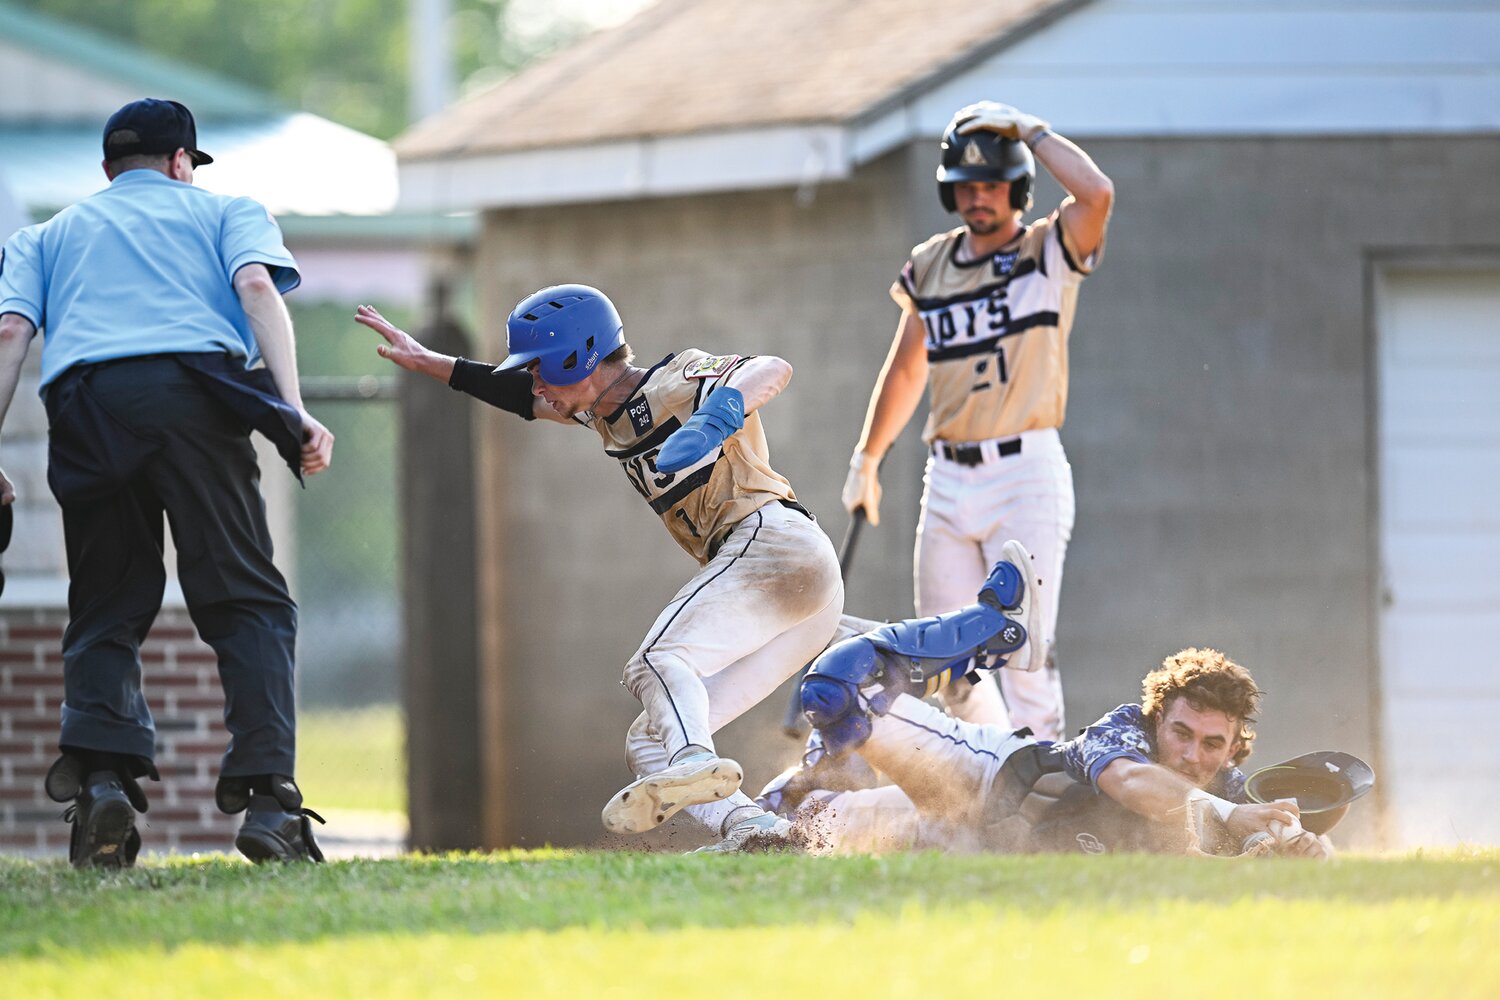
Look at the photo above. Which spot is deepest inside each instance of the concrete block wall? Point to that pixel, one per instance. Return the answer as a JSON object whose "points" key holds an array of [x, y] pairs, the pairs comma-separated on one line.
{"points": [[182, 690], [1219, 426]]}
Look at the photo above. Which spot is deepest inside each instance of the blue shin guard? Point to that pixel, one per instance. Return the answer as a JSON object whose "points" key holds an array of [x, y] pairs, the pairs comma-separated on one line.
{"points": [[919, 656]]}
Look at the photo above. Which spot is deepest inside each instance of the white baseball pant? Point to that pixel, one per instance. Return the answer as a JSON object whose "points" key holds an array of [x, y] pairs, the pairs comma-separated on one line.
{"points": [[968, 513], [767, 603], [942, 768]]}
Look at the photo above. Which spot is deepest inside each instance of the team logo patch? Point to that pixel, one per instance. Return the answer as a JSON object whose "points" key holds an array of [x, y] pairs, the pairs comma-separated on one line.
{"points": [[710, 367], [973, 156], [1006, 262], [640, 416], [1090, 844]]}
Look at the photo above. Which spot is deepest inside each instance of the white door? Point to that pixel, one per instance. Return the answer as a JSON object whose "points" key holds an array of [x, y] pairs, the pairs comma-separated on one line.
{"points": [[1439, 427]]}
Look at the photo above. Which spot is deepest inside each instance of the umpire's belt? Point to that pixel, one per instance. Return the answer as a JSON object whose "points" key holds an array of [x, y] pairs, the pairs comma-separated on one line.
{"points": [[978, 452], [92, 454]]}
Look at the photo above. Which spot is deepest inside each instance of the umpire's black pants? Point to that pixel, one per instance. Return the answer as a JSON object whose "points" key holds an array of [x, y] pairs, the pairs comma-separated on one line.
{"points": [[144, 437]]}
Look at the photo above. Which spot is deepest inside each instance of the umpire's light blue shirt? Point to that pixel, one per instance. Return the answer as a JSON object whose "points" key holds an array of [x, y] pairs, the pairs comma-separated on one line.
{"points": [[143, 267]]}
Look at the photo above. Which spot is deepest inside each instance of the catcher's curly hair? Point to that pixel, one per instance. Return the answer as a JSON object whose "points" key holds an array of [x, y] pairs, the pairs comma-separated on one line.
{"points": [[1208, 680]]}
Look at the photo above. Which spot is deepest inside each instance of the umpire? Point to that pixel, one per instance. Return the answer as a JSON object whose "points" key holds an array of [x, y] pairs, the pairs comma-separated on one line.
{"points": [[156, 297]]}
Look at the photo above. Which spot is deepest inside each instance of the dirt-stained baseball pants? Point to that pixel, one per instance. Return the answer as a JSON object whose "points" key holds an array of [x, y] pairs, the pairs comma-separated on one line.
{"points": [[767, 603], [941, 767]]}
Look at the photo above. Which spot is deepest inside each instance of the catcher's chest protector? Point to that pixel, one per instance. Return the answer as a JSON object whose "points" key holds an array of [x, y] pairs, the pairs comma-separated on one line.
{"points": [[1034, 806]]}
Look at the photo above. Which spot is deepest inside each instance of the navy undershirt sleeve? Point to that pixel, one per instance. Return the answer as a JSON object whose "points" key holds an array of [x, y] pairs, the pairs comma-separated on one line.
{"points": [[506, 390]]}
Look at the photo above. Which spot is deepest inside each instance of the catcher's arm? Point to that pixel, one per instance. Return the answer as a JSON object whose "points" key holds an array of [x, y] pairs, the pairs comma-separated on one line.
{"points": [[1160, 794]]}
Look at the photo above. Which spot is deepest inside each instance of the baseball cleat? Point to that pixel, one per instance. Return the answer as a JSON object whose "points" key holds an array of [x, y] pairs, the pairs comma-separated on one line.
{"points": [[1029, 612], [765, 831], [648, 802]]}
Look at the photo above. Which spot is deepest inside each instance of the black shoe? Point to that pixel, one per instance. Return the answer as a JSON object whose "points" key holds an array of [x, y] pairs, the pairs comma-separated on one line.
{"points": [[272, 832], [103, 818]]}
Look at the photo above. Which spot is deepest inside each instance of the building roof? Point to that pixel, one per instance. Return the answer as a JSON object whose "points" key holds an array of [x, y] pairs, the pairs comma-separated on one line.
{"points": [[686, 66], [695, 96]]}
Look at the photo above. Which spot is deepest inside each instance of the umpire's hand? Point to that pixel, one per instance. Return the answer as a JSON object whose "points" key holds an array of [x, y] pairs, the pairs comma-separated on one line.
{"points": [[317, 445]]}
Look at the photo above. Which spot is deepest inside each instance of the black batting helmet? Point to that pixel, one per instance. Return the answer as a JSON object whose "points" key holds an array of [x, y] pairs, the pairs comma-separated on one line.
{"points": [[985, 156]]}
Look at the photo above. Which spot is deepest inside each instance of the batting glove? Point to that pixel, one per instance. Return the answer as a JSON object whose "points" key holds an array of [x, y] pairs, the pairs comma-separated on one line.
{"points": [[1001, 118], [862, 488], [721, 414]]}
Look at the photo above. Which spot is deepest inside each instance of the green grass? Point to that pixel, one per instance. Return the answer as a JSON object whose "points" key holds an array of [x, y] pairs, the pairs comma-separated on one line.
{"points": [[589, 924], [352, 758]]}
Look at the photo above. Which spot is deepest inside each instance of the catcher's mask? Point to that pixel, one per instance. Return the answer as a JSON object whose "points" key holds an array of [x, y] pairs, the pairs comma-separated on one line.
{"points": [[987, 157], [569, 329], [1323, 783]]}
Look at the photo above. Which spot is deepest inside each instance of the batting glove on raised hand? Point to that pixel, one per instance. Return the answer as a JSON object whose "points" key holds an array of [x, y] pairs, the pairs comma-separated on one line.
{"points": [[1001, 118], [721, 414], [862, 488]]}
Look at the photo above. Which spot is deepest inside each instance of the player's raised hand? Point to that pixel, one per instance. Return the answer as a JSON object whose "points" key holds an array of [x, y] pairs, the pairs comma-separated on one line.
{"points": [[995, 117], [400, 347], [862, 487]]}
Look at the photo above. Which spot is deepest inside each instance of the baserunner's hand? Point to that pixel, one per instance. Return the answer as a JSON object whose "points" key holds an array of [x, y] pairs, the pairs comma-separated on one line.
{"points": [[400, 347]]}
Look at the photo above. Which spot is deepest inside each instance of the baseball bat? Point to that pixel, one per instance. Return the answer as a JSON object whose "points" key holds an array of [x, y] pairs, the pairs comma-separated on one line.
{"points": [[792, 721]]}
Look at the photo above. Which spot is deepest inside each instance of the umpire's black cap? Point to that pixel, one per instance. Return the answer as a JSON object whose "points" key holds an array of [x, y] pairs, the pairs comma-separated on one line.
{"points": [[151, 126]]}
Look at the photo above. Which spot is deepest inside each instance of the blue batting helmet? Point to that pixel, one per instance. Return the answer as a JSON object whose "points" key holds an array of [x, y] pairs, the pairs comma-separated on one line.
{"points": [[569, 329]]}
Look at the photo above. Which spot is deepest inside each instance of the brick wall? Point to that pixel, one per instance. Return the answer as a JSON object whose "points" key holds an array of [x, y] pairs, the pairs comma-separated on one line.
{"points": [[182, 689]]}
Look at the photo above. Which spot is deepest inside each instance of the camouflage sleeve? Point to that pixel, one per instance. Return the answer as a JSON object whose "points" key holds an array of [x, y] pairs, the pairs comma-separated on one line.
{"points": [[1230, 785], [1121, 733]]}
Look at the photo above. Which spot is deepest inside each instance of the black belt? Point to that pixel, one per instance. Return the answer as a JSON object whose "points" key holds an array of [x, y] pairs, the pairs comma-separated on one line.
{"points": [[794, 505], [84, 367], [973, 454], [713, 548]]}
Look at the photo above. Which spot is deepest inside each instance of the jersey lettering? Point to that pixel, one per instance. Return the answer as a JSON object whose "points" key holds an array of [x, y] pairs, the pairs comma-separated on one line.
{"points": [[698, 505], [648, 480], [996, 332]]}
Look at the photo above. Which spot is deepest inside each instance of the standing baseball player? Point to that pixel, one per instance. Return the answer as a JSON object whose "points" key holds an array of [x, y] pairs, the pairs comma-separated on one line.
{"points": [[156, 298], [985, 313], [687, 433]]}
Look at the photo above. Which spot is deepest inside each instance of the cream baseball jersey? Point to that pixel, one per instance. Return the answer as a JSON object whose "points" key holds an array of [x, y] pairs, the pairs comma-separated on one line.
{"points": [[997, 330], [701, 503]]}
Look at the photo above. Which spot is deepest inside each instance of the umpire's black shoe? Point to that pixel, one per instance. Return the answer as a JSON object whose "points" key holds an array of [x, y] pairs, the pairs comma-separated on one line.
{"points": [[103, 818], [272, 832]]}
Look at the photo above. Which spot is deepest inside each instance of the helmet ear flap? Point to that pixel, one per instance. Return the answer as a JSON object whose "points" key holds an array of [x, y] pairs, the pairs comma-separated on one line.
{"points": [[945, 195], [1020, 193]]}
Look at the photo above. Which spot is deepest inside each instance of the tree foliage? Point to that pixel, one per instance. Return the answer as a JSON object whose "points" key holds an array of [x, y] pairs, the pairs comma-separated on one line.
{"points": [[343, 59]]}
